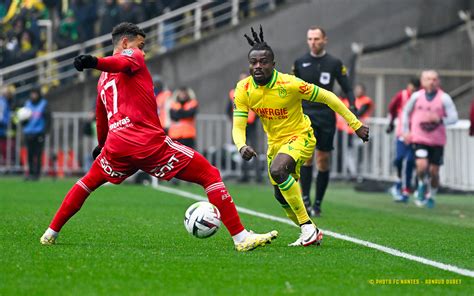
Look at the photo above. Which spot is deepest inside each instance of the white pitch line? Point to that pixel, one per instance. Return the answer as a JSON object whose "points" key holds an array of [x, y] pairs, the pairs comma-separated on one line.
{"points": [[391, 251]]}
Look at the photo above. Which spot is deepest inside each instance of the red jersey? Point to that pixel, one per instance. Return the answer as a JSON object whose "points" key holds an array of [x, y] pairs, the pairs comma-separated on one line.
{"points": [[128, 127], [396, 106], [127, 121]]}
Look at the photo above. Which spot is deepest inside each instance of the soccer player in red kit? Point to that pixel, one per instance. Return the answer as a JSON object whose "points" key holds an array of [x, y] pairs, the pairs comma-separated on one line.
{"points": [[131, 137]]}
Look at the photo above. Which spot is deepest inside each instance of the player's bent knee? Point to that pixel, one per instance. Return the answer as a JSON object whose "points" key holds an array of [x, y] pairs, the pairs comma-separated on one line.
{"points": [[278, 174]]}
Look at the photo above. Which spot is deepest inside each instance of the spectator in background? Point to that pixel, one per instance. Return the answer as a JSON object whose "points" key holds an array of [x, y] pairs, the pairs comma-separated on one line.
{"points": [[9, 95], [85, 12], [5, 116], [171, 26], [163, 98], [471, 129], [153, 8], [68, 30], [425, 116], [404, 156], [109, 17], [251, 136], [130, 12], [28, 47], [183, 117], [35, 130], [365, 108]]}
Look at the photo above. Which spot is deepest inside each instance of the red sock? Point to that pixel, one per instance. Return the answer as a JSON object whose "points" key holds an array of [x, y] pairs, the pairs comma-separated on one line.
{"points": [[200, 171], [76, 197], [71, 204], [218, 196]]}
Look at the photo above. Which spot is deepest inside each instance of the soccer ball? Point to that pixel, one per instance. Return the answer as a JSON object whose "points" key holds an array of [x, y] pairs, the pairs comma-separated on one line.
{"points": [[202, 219], [24, 113]]}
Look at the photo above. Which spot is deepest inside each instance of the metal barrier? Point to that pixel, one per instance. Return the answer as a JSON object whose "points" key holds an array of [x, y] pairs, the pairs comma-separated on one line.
{"points": [[376, 157], [67, 150]]}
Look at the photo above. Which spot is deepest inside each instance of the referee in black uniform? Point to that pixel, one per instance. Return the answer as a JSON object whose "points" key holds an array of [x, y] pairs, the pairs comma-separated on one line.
{"points": [[320, 68]]}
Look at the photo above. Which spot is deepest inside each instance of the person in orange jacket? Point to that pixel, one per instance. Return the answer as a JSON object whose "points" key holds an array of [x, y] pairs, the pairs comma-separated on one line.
{"points": [[183, 117], [163, 101]]}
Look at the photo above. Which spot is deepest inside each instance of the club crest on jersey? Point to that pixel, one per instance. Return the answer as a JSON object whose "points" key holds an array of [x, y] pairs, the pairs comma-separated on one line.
{"points": [[282, 92], [304, 88], [127, 52]]}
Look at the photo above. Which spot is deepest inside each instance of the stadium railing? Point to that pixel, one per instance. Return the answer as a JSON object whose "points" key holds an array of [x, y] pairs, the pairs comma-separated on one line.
{"points": [[68, 151], [164, 32]]}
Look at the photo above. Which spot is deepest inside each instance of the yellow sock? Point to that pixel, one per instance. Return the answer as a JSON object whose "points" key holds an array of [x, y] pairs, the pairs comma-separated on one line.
{"points": [[289, 212], [290, 189]]}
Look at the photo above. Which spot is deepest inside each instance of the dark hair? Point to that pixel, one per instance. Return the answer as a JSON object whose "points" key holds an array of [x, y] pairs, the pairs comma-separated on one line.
{"points": [[128, 30], [415, 81], [318, 28], [36, 89], [258, 43]]}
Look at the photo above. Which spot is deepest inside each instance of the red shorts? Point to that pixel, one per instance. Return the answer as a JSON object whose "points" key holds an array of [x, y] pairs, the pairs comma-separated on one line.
{"points": [[164, 162]]}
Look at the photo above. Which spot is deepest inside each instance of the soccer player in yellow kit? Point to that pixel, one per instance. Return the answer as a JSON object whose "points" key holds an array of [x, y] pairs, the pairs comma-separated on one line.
{"points": [[276, 98]]}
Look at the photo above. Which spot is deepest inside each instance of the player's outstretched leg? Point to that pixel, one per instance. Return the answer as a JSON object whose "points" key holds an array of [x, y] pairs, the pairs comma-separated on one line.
{"points": [[200, 171], [72, 203], [291, 192], [306, 231]]}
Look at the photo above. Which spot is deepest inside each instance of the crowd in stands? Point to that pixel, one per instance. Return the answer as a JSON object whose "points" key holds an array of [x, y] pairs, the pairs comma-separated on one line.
{"points": [[73, 21]]}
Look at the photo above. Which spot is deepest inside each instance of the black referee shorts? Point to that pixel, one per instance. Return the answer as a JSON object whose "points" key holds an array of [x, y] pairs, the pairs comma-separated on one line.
{"points": [[324, 137], [323, 122]]}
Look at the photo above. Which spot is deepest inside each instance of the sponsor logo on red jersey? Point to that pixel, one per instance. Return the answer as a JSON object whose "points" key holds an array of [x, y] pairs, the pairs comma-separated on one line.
{"points": [[120, 124], [160, 171], [109, 170]]}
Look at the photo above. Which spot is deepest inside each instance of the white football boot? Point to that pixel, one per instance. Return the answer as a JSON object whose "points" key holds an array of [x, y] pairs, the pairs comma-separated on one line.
{"points": [[255, 240], [310, 235], [49, 237]]}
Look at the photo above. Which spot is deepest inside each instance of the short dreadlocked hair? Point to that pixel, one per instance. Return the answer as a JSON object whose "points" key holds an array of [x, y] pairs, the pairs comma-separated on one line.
{"points": [[128, 30], [258, 43]]}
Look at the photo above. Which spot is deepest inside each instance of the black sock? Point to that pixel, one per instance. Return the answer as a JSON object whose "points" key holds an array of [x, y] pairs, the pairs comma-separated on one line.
{"points": [[322, 181], [306, 178]]}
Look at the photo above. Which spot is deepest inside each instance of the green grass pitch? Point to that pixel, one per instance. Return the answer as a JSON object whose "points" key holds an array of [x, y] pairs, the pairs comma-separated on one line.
{"points": [[130, 240]]}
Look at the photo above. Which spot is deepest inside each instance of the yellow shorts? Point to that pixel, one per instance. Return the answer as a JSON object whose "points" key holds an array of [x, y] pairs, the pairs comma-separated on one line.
{"points": [[299, 147]]}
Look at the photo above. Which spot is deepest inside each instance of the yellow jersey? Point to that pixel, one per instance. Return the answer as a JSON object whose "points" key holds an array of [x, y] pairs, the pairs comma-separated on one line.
{"points": [[278, 104]]}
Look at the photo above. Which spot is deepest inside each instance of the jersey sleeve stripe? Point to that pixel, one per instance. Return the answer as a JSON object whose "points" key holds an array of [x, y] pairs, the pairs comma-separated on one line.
{"points": [[241, 114], [315, 93]]}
